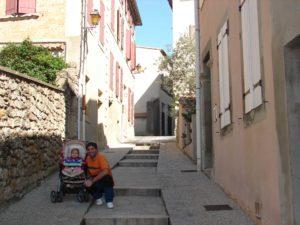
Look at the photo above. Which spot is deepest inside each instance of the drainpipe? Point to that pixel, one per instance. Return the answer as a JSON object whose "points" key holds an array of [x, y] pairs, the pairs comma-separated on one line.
{"points": [[81, 78], [198, 87]]}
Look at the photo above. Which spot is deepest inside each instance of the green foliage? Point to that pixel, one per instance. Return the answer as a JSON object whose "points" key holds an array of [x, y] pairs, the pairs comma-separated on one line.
{"points": [[178, 69], [35, 61]]}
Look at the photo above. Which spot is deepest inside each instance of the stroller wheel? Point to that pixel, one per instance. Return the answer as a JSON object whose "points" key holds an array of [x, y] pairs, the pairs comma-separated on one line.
{"points": [[80, 197], [59, 196], [53, 196]]}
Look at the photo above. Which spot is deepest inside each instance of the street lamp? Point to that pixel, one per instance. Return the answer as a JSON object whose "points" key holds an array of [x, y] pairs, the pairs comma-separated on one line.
{"points": [[95, 17]]}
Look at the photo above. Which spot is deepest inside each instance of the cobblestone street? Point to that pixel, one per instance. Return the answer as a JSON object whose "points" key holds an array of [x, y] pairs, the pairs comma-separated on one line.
{"points": [[156, 186]]}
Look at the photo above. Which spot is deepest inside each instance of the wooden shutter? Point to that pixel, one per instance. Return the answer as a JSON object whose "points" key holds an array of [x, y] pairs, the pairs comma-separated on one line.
{"points": [[224, 86], [128, 44], [11, 7], [132, 107], [112, 20], [251, 55], [133, 50], [118, 27], [89, 9], [117, 80], [122, 33], [102, 22], [129, 104], [111, 74], [121, 84], [27, 6]]}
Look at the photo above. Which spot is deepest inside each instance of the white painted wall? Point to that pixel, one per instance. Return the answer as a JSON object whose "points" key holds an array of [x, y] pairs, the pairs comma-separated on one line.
{"points": [[147, 84], [183, 17]]}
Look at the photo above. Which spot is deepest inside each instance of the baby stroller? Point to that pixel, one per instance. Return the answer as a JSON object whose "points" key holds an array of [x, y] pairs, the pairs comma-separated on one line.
{"points": [[72, 173]]}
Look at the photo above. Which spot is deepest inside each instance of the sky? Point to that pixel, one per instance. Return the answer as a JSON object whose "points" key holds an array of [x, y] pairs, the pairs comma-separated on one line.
{"points": [[156, 30]]}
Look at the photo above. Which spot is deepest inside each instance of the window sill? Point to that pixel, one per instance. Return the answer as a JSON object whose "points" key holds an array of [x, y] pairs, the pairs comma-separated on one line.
{"points": [[19, 17], [255, 115]]}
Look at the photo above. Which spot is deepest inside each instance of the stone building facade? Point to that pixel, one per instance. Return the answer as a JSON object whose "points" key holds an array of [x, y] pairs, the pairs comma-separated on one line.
{"points": [[106, 59], [32, 128], [250, 60]]}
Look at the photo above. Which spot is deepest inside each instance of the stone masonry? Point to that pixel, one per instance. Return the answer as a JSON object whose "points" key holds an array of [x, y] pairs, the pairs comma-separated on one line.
{"points": [[32, 127]]}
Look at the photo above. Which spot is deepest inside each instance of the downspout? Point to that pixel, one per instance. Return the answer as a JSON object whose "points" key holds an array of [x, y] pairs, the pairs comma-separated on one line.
{"points": [[81, 79], [198, 88]]}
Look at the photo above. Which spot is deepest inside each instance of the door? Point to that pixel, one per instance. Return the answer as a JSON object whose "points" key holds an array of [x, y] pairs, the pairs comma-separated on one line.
{"points": [[207, 115], [292, 63]]}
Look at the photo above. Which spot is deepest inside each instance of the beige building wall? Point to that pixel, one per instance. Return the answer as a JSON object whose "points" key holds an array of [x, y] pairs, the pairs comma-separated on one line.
{"points": [[49, 14], [256, 158], [247, 154]]}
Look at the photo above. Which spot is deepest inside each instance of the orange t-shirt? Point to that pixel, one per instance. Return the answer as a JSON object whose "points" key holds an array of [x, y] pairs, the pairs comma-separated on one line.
{"points": [[97, 165]]}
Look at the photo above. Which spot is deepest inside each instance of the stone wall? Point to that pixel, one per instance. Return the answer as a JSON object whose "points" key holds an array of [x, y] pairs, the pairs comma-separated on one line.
{"points": [[32, 126]]}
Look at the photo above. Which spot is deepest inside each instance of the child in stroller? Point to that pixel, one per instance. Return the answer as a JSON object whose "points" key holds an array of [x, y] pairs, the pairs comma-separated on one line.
{"points": [[72, 172]]}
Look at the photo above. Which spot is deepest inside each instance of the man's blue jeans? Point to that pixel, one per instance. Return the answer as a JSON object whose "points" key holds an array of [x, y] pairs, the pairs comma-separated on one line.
{"points": [[105, 185]]}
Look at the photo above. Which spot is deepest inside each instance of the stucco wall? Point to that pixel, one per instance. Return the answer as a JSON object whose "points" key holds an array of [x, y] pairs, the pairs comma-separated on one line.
{"points": [[32, 126], [284, 21], [246, 162]]}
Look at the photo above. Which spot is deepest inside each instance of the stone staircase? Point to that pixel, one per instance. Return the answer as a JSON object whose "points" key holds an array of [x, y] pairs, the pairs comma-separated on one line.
{"points": [[138, 198]]}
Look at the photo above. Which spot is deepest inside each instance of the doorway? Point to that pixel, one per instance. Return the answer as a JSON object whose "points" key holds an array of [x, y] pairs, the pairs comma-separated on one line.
{"points": [[207, 115], [292, 64]]}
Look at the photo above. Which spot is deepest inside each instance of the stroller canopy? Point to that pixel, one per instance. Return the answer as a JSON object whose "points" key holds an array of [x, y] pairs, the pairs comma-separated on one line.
{"points": [[71, 144]]}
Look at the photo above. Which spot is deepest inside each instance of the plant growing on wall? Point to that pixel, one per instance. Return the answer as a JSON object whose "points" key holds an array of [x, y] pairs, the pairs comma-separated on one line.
{"points": [[178, 69], [35, 61]]}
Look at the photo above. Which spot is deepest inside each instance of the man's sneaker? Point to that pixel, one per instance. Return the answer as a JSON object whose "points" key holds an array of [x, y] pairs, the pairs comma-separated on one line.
{"points": [[99, 201], [110, 205]]}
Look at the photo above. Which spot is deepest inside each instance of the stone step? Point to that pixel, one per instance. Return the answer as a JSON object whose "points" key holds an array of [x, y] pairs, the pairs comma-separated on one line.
{"points": [[141, 156], [138, 163], [130, 210], [145, 152], [134, 191]]}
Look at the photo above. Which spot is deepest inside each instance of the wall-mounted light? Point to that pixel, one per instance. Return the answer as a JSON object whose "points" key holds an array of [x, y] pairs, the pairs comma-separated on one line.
{"points": [[95, 17]]}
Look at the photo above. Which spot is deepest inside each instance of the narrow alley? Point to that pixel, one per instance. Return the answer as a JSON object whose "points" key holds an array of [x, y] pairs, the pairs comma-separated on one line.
{"points": [[149, 112], [155, 184]]}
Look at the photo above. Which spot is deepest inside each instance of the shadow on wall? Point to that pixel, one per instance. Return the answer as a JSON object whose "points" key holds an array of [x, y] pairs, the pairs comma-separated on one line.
{"points": [[150, 94], [95, 131], [143, 126], [25, 162], [102, 140]]}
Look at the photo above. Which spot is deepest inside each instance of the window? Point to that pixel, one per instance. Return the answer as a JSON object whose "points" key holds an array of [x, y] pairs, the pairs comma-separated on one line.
{"points": [[133, 53], [132, 108], [121, 85], [14, 7], [129, 105], [118, 27], [111, 74], [224, 86], [251, 55], [117, 80], [128, 44], [122, 33]]}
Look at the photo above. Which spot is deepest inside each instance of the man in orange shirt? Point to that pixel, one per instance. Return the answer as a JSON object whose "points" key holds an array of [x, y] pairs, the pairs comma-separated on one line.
{"points": [[100, 177]]}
